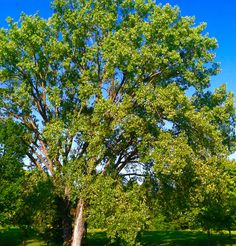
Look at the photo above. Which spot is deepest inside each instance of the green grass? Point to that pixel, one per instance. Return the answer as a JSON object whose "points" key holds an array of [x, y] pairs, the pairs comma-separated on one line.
{"points": [[14, 237], [170, 238], [185, 238]]}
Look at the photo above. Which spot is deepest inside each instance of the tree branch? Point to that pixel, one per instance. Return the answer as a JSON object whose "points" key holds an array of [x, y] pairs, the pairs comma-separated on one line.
{"points": [[133, 174], [120, 87]]}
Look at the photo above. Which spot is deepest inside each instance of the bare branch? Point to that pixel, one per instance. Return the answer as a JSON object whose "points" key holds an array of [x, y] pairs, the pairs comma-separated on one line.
{"points": [[120, 87]]}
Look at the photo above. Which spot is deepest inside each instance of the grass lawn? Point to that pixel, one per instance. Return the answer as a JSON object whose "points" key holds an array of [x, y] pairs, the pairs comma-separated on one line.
{"points": [[187, 238], [14, 237], [171, 238]]}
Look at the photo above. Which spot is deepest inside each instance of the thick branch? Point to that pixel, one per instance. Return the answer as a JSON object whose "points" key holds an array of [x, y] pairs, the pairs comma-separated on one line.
{"points": [[38, 102], [41, 158], [44, 151], [133, 174], [119, 88], [68, 146], [130, 157], [36, 163]]}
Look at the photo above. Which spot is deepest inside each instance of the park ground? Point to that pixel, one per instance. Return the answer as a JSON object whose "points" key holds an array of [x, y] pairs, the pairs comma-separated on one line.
{"points": [[14, 237]]}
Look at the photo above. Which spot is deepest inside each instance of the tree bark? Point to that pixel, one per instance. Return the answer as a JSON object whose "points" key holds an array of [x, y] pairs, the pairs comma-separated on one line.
{"points": [[67, 230], [230, 235], [208, 236], [208, 233], [79, 225], [66, 221]]}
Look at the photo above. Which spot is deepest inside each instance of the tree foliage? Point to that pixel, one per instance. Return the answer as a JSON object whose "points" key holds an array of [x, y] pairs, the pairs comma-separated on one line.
{"points": [[11, 169], [26, 197]]}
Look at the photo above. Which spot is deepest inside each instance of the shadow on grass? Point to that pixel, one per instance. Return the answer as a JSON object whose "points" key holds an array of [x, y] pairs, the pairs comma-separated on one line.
{"points": [[11, 237], [97, 239], [185, 238], [15, 237]]}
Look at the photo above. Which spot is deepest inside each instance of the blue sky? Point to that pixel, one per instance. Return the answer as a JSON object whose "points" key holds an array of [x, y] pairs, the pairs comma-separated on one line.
{"points": [[219, 15], [221, 23]]}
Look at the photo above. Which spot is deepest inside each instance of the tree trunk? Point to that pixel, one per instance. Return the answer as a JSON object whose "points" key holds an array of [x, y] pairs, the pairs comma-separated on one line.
{"points": [[208, 233], [230, 236], [67, 230], [208, 236], [66, 221], [79, 225]]}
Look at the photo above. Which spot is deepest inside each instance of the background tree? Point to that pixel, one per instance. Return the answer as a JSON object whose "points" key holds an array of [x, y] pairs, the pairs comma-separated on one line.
{"points": [[217, 202], [113, 89], [206, 202], [26, 197], [38, 210], [11, 169]]}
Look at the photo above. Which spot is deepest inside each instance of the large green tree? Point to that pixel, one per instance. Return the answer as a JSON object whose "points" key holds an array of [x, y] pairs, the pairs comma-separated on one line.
{"points": [[113, 91]]}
